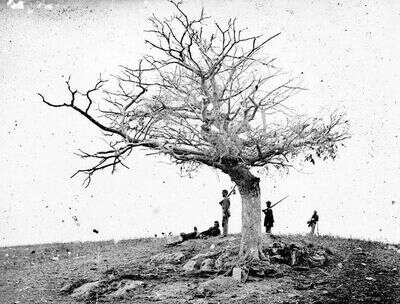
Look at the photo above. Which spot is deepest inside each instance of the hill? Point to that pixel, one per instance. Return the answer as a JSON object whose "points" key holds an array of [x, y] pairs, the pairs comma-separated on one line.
{"points": [[301, 270]]}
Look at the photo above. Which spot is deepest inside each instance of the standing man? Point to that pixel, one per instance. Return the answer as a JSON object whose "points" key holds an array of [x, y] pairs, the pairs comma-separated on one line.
{"points": [[313, 222], [225, 204], [269, 218]]}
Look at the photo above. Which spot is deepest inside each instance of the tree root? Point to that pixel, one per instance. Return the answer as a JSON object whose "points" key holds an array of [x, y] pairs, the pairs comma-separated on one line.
{"points": [[256, 254]]}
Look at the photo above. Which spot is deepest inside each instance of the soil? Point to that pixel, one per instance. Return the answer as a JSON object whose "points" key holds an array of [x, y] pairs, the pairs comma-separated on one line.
{"points": [[355, 272]]}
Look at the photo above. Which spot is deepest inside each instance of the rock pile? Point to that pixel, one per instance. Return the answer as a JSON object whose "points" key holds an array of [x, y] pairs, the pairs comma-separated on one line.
{"points": [[306, 255], [203, 262], [224, 260], [220, 262]]}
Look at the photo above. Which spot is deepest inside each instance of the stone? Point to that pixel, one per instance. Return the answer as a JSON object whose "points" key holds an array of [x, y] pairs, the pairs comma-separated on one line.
{"points": [[293, 258], [190, 265], [202, 261], [169, 267], [256, 271], [277, 259], [171, 258], [237, 274], [206, 255], [178, 257], [261, 269], [221, 260], [125, 286], [217, 285], [275, 250], [86, 290], [318, 260], [69, 287], [207, 265]]}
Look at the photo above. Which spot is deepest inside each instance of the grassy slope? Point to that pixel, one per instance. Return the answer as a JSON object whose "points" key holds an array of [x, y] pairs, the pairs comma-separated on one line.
{"points": [[35, 274]]}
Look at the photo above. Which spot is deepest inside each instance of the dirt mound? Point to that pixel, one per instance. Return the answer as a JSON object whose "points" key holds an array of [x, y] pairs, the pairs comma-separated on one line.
{"points": [[219, 263], [300, 270]]}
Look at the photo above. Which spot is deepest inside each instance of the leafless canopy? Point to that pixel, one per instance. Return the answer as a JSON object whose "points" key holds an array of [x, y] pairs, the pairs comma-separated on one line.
{"points": [[205, 95]]}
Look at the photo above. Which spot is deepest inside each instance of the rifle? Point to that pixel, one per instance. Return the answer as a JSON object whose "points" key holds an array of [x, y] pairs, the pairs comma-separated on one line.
{"points": [[232, 191], [280, 201]]}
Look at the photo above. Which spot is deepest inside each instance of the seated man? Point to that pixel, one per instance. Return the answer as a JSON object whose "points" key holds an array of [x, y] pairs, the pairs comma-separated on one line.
{"points": [[190, 235], [175, 240], [212, 231]]}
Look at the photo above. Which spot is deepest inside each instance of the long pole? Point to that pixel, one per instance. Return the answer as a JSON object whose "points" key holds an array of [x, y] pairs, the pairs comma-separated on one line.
{"points": [[280, 201], [233, 189]]}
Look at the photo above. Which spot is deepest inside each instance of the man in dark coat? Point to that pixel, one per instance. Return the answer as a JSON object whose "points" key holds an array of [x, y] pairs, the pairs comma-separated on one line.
{"points": [[173, 241], [190, 235], [312, 223], [269, 218], [212, 231]]}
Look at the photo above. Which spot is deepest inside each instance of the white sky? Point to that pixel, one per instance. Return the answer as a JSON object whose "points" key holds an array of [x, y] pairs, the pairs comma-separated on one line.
{"points": [[349, 53]]}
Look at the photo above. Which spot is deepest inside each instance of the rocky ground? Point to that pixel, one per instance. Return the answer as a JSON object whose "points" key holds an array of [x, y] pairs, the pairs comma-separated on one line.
{"points": [[301, 270]]}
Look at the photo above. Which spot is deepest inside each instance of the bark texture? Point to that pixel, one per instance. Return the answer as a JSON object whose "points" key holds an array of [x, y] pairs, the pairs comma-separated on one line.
{"points": [[249, 188]]}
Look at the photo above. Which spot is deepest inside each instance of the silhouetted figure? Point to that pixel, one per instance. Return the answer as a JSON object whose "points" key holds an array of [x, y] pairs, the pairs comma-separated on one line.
{"points": [[225, 204], [212, 231], [312, 223], [269, 218], [190, 235], [183, 237]]}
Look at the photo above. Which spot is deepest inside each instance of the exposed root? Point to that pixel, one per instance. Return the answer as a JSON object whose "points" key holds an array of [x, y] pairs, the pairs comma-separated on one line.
{"points": [[254, 254]]}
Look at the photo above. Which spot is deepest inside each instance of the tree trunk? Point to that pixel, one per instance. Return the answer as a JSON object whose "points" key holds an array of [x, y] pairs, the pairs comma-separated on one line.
{"points": [[249, 188]]}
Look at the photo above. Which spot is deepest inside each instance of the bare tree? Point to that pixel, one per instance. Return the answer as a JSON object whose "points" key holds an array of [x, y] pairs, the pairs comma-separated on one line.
{"points": [[205, 96]]}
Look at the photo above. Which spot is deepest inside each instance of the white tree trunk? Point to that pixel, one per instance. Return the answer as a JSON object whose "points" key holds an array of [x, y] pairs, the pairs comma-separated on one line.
{"points": [[249, 188], [250, 246]]}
